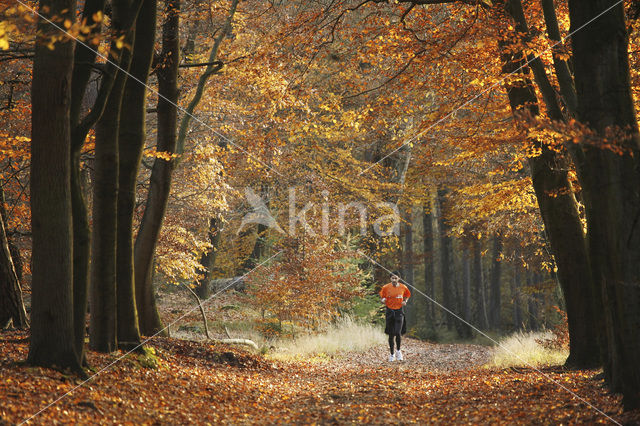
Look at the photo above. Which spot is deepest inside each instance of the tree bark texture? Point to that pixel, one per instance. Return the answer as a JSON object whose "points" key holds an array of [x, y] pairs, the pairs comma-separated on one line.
{"points": [[445, 262], [11, 304], [611, 182], [558, 206], [428, 253], [495, 293], [103, 293], [160, 185], [131, 140], [52, 332]]}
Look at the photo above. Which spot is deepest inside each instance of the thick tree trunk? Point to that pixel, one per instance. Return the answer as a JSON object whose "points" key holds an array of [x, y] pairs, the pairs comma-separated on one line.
{"points": [[103, 320], [130, 144], [557, 204], [160, 185], [610, 185], [445, 260], [103, 335], [52, 332], [495, 300]]}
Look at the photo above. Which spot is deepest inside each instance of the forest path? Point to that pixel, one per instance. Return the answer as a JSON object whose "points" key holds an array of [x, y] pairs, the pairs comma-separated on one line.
{"points": [[204, 383], [420, 356]]}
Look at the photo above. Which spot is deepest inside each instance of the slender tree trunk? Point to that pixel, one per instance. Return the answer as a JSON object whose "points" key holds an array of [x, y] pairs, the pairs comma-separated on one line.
{"points": [[532, 305], [52, 332], [208, 259], [160, 185], [82, 68], [13, 249], [259, 245], [495, 301], [211, 69], [464, 330], [130, 144], [610, 186], [561, 66], [479, 293], [515, 296], [407, 261], [11, 304], [445, 260], [428, 252]]}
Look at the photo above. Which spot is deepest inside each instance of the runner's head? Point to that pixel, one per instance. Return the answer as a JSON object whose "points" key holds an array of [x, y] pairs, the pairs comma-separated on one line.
{"points": [[395, 277]]}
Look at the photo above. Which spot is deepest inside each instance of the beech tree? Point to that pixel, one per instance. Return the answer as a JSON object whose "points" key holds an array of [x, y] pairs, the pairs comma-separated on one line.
{"points": [[52, 327], [610, 179]]}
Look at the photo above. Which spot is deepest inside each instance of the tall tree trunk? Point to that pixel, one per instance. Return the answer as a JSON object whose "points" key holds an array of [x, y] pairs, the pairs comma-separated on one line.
{"points": [[84, 59], [445, 260], [52, 332], [495, 301], [428, 252], [515, 296], [13, 248], [130, 144], [481, 316], [557, 204], [610, 186], [11, 304], [532, 305], [103, 292], [160, 185], [407, 261], [464, 330]]}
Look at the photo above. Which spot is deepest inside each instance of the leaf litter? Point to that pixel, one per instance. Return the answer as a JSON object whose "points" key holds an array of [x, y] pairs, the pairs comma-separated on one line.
{"points": [[206, 383]]}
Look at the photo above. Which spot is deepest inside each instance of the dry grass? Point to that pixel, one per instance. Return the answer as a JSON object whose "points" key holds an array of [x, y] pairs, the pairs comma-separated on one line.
{"points": [[345, 336], [524, 349]]}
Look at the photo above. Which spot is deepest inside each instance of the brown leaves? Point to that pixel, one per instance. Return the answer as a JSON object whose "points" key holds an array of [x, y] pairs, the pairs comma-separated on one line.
{"points": [[206, 383]]}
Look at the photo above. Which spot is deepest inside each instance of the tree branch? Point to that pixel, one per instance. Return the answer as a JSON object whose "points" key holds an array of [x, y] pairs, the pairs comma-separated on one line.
{"points": [[219, 64]]}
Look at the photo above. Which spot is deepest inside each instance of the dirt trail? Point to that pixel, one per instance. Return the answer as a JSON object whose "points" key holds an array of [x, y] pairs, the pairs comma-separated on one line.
{"points": [[421, 356]]}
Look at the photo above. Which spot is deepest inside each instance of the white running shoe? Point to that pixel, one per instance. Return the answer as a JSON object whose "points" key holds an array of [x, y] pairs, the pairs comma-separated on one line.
{"points": [[399, 356], [392, 358]]}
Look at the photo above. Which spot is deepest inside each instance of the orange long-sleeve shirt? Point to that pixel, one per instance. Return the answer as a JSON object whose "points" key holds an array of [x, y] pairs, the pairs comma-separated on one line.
{"points": [[394, 295]]}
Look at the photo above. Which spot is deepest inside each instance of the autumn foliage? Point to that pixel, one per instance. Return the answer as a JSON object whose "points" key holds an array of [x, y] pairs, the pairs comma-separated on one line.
{"points": [[311, 282]]}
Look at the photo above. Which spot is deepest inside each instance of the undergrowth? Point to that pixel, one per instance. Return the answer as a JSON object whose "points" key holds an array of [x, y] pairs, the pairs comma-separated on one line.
{"points": [[528, 349], [346, 335]]}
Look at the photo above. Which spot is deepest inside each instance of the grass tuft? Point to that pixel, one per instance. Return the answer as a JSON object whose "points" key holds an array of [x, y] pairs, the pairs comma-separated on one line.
{"points": [[346, 335], [525, 349]]}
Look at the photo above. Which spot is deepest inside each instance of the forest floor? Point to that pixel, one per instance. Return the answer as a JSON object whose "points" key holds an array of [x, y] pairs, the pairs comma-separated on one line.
{"points": [[199, 382]]}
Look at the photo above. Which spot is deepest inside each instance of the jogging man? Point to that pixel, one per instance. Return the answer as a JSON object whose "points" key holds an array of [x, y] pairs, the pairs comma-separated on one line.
{"points": [[395, 295]]}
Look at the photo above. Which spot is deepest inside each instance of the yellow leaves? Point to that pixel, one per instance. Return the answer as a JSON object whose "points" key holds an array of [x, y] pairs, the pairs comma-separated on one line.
{"points": [[163, 155], [6, 28], [98, 16], [120, 42]]}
